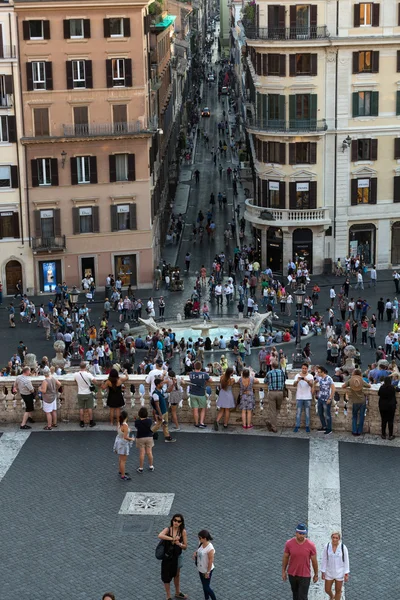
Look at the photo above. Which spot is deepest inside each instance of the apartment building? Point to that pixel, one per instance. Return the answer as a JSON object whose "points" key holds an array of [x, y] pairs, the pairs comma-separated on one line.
{"points": [[88, 136], [321, 106], [15, 253]]}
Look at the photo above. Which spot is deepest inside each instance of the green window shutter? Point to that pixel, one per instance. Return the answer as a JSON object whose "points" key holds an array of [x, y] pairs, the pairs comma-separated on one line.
{"points": [[398, 103], [374, 104], [313, 107], [292, 107], [355, 104], [282, 108]]}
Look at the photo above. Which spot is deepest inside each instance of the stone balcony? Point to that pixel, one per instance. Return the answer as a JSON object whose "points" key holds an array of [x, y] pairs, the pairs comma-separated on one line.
{"points": [[11, 406], [284, 217]]}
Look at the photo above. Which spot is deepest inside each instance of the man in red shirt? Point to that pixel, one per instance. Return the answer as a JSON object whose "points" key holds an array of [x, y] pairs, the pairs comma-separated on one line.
{"points": [[297, 554]]}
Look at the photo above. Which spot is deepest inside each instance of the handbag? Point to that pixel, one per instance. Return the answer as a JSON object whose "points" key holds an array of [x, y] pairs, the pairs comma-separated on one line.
{"points": [[165, 550]]}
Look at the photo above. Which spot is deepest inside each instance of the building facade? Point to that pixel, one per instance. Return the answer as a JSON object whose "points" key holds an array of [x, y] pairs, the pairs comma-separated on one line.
{"points": [[321, 103], [16, 257], [88, 134]]}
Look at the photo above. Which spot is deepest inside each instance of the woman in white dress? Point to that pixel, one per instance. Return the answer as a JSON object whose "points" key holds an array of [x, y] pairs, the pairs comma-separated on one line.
{"points": [[335, 567]]}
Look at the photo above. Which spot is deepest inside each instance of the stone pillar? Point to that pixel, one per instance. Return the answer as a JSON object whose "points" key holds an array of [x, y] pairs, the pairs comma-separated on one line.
{"points": [[318, 249], [287, 246], [264, 258]]}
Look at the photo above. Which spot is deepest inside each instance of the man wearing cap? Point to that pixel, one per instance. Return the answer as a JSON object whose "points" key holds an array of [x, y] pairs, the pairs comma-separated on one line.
{"points": [[357, 387], [297, 554]]}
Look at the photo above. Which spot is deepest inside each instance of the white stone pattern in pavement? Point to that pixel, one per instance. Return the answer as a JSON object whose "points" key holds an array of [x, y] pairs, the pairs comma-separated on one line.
{"points": [[324, 506], [10, 446], [146, 503]]}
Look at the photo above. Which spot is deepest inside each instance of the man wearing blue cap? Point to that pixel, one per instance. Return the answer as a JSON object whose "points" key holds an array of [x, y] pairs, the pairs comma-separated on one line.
{"points": [[298, 553]]}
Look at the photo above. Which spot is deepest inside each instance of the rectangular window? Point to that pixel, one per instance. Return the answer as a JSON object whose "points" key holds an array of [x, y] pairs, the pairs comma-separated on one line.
{"points": [[274, 149], [274, 62], [303, 64], [273, 194], [302, 20], [81, 119], [364, 104], [365, 14], [120, 117], [303, 153], [47, 223], [363, 191], [78, 74], [365, 61], [121, 167], [86, 219], [303, 195], [303, 106], [36, 30], [4, 137], [123, 217], [273, 107], [39, 75], [44, 171], [116, 27], [9, 226], [5, 177], [76, 29], [118, 72], [83, 169], [41, 122]]}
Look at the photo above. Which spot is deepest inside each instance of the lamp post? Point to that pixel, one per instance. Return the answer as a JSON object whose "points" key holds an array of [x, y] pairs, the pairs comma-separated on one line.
{"points": [[298, 355], [76, 357]]}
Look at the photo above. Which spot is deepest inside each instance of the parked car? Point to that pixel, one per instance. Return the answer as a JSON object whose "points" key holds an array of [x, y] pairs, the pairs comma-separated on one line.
{"points": [[205, 112]]}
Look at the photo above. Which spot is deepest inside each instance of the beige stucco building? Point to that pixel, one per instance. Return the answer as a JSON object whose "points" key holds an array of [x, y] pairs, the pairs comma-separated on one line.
{"points": [[15, 253], [321, 103], [88, 134]]}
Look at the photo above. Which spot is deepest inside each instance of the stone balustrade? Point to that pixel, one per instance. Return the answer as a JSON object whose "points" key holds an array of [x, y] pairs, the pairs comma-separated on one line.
{"points": [[11, 405]]}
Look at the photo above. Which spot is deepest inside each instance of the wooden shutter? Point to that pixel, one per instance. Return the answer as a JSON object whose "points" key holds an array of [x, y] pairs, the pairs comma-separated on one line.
{"points": [[114, 218], [74, 171], [57, 222], [292, 154], [313, 106], [93, 169], [354, 150], [127, 27], [264, 151], [54, 171], [25, 30], [398, 56], [282, 108], [4, 129], [265, 64], [396, 189], [89, 74], [46, 30], [292, 65], [374, 104], [292, 107], [67, 29], [86, 28], [16, 224], [313, 15], [37, 223], [34, 172], [8, 84], [313, 153], [282, 193], [95, 219], [292, 17], [14, 177], [314, 64], [373, 190], [128, 72], [374, 149], [112, 168], [398, 102], [12, 129], [75, 220], [375, 14], [70, 83], [313, 194], [282, 65], [356, 15], [106, 27], [397, 148], [265, 194], [132, 216], [281, 17], [292, 195], [131, 167], [355, 104], [29, 77], [258, 63], [109, 73], [375, 61], [49, 75], [356, 62], [354, 192], [282, 154]]}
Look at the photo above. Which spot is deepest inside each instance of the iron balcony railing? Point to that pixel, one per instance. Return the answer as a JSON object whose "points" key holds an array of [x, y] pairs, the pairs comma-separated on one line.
{"points": [[286, 33], [8, 52], [283, 126], [94, 129], [47, 244]]}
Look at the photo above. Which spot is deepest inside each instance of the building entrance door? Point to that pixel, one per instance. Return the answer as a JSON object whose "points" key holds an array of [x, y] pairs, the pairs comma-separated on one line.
{"points": [[13, 275]]}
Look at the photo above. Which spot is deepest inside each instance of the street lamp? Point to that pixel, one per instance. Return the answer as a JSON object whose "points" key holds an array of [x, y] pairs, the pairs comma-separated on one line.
{"points": [[298, 356], [75, 357]]}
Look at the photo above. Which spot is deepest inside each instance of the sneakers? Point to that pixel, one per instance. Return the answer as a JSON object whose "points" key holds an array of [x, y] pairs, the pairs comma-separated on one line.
{"points": [[81, 424], [295, 430], [321, 429], [202, 426], [25, 427], [169, 439], [216, 426], [151, 469], [125, 478], [139, 470], [92, 423], [177, 428], [328, 431], [308, 430], [197, 425]]}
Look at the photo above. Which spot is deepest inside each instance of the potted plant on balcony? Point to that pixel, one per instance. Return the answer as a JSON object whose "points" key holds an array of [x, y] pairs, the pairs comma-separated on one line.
{"points": [[249, 15]]}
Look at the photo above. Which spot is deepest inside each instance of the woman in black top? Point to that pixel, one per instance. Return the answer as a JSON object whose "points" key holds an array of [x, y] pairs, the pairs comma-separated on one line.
{"points": [[175, 540], [144, 439], [387, 406]]}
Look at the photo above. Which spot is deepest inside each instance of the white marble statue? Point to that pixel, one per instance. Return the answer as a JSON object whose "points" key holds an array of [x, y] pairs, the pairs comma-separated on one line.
{"points": [[150, 324]]}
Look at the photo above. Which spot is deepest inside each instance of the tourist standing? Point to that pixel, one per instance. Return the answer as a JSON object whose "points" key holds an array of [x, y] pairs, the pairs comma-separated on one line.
{"points": [[49, 389], [197, 394], [115, 397], [144, 439], [122, 444], [85, 381], [325, 396], [247, 399], [204, 556], [356, 386], [275, 380], [175, 540], [298, 553], [160, 410], [387, 406], [225, 400], [24, 386], [335, 567], [304, 383]]}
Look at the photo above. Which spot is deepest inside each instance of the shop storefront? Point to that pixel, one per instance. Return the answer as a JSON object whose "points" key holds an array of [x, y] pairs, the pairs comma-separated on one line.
{"points": [[303, 246], [125, 267], [275, 249], [362, 242], [49, 274]]}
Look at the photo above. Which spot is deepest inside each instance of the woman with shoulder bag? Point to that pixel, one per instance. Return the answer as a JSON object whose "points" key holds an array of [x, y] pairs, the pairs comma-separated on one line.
{"points": [[175, 397], [175, 540], [335, 566], [204, 559]]}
